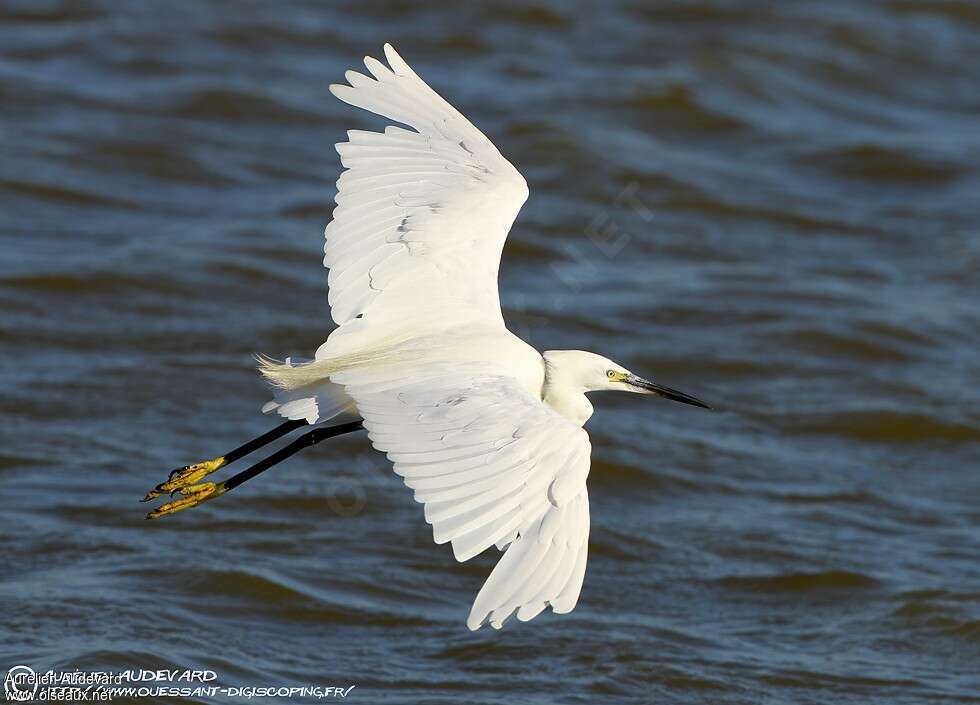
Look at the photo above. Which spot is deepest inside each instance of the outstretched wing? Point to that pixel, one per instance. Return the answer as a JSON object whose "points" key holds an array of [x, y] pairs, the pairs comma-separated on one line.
{"points": [[421, 214], [493, 465]]}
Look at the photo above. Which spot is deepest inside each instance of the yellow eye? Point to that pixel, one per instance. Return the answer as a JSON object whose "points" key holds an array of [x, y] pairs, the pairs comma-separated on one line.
{"points": [[611, 374]]}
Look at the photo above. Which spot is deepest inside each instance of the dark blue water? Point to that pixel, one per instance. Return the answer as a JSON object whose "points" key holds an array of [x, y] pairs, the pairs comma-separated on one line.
{"points": [[773, 206]]}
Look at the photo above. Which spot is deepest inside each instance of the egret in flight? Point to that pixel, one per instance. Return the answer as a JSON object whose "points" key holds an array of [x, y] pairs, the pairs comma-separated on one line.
{"points": [[483, 428]]}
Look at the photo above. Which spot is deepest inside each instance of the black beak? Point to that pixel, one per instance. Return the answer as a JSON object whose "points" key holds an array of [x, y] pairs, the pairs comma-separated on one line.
{"points": [[665, 392]]}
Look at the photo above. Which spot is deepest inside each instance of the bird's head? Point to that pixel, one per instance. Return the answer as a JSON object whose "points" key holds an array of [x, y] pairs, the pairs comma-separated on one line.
{"points": [[595, 373]]}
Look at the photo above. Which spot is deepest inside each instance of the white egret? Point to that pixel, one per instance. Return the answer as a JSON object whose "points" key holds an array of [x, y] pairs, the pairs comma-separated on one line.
{"points": [[486, 430]]}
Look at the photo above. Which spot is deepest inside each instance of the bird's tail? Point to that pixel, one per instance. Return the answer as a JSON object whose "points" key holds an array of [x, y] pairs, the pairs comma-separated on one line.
{"points": [[290, 375]]}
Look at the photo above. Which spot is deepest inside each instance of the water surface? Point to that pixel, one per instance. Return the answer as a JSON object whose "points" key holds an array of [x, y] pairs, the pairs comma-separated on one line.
{"points": [[773, 206]]}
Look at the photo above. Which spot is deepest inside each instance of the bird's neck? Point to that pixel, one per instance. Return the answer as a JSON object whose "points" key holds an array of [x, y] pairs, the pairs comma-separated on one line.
{"points": [[565, 396]]}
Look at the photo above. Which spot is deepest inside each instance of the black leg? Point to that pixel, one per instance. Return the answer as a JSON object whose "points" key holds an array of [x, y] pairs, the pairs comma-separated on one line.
{"points": [[318, 434], [194, 495], [265, 439]]}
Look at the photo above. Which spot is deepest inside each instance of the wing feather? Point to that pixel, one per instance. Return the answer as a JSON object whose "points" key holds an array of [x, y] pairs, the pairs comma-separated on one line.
{"points": [[421, 217], [493, 465], [544, 565]]}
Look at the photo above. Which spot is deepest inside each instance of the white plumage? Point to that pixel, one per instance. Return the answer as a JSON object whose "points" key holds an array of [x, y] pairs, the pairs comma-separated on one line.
{"points": [[485, 431], [421, 216]]}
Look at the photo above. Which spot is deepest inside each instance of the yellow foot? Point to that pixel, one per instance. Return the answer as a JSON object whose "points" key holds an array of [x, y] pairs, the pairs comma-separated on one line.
{"points": [[183, 478], [192, 496]]}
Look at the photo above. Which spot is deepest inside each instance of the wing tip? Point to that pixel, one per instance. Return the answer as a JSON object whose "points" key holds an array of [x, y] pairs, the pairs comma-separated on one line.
{"points": [[462, 556], [473, 622], [477, 620], [397, 63]]}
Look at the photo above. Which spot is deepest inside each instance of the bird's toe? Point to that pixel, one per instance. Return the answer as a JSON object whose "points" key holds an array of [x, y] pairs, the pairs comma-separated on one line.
{"points": [[185, 477], [191, 496]]}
